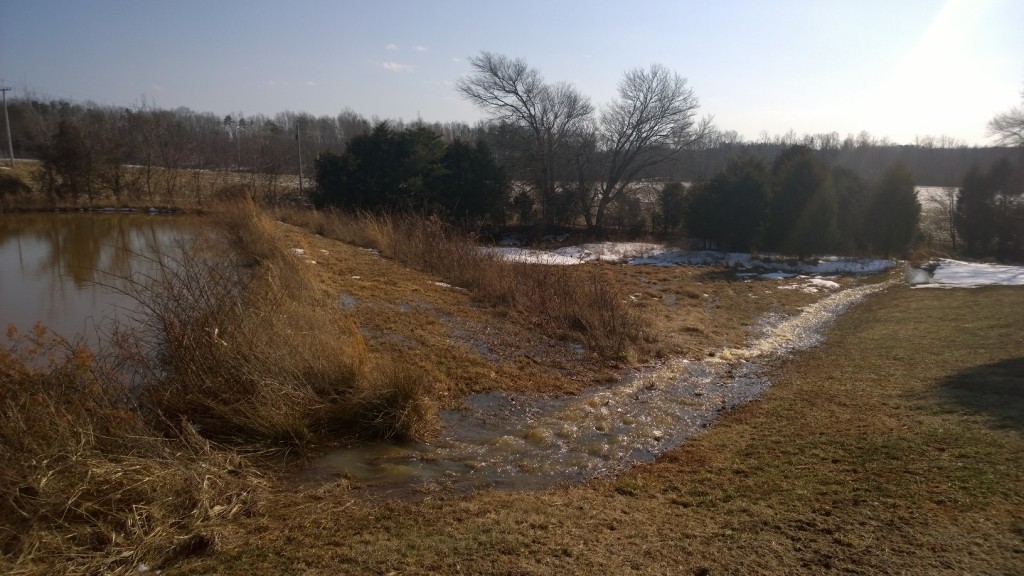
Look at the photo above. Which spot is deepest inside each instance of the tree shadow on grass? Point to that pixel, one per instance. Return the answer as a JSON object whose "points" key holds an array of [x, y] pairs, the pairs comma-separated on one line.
{"points": [[996, 390]]}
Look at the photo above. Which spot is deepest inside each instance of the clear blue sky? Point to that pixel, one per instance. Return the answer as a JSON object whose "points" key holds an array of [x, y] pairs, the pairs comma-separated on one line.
{"points": [[896, 68]]}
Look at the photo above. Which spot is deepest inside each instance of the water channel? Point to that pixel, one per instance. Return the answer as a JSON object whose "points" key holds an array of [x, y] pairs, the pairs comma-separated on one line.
{"points": [[525, 442]]}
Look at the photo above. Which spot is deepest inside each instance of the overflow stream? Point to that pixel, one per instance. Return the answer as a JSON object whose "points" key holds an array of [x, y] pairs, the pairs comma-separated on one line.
{"points": [[522, 442]]}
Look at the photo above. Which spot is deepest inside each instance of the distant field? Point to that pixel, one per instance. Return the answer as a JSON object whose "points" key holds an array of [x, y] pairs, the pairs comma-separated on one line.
{"points": [[182, 188]]}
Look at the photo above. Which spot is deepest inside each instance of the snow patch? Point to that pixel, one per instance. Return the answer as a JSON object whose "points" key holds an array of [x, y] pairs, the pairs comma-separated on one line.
{"points": [[957, 274], [647, 254]]}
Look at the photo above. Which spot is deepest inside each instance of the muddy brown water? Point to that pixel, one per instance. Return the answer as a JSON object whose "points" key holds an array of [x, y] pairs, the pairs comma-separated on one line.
{"points": [[61, 268], [521, 442]]}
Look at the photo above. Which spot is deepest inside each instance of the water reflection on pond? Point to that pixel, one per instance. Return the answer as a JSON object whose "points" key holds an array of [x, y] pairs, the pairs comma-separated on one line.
{"points": [[60, 269]]}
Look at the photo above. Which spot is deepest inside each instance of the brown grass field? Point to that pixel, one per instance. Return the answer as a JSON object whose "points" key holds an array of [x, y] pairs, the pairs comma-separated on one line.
{"points": [[894, 447]]}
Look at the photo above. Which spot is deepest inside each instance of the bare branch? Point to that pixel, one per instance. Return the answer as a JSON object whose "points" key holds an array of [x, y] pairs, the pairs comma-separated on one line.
{"points": [[652, 119], [512, 92], [1008, 127]]}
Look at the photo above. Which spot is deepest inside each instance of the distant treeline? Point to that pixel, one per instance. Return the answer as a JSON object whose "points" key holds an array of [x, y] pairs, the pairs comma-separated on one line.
{"points": [[182, 138], [799, 195]]}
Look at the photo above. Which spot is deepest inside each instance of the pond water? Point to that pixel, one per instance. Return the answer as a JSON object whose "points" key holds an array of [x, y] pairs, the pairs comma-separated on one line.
{"points": [[62, 269]]}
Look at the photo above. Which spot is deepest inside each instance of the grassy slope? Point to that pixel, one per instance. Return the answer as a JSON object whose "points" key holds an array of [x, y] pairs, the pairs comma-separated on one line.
{"points": [[464, 345], [893, 448]]}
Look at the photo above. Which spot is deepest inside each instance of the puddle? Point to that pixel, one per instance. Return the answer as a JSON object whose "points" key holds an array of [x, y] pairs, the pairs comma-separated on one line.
{"points": [[522, 442]]}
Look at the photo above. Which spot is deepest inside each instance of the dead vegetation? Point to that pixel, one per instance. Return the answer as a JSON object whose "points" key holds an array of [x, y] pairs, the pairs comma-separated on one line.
{"points": [[88, 486], [107, 464], [882, 451], [181, 189], [241, 343], [563, 301], [876, 437]]}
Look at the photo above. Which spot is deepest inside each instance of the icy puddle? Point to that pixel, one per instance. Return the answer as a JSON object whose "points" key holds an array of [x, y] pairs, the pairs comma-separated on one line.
{"points": [[524, 442]]}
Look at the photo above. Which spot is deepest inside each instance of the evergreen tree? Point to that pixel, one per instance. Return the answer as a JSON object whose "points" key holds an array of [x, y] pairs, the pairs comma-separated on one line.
{"points": [[975, 212], [894, 211], [852, 197], [469, 183], [743, 204], [803, 205], [701, 215], [383, 170], [411, 170], [671, 207]]}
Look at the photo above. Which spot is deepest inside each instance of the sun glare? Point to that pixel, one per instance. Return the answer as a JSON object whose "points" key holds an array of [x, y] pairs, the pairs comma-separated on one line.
{"points": [[942, 75]]}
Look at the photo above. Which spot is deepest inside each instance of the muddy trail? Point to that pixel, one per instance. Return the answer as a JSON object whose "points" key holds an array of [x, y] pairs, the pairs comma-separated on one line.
{"points": [[525, 442]]}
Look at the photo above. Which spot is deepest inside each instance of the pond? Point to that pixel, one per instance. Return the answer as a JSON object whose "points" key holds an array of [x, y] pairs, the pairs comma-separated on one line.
{"points": [[63, 269]]}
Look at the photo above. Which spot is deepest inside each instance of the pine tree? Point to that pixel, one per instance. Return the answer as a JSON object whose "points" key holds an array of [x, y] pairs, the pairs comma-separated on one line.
{"points": [[803, 205], [894, 211]]}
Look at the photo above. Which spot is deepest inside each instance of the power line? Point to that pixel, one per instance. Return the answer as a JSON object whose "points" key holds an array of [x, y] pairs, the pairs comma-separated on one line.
{"points": [[7, 123]]}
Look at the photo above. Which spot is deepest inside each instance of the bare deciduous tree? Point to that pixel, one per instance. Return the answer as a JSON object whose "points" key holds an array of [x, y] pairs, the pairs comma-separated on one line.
{"points": [[1008, 127], [653, 118], [516, 94]]}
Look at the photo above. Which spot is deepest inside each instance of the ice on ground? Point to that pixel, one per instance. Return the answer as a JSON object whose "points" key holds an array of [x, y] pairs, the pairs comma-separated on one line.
{"points": [[823, 283], [647, 254], [812, 285], [302, 254], [957, 274], [611, 251], [449, 286], [528, 256], [569, 255]]}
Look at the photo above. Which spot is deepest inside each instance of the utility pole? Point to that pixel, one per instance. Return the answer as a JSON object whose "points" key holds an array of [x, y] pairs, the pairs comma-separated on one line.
{"points": [[298, 142], [7, 123]]}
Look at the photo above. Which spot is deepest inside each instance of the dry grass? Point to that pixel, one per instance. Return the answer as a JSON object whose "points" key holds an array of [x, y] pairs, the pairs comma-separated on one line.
{"points": [[892, 448], [240, 343], [178, 189], [565, 302], [87, 485]]}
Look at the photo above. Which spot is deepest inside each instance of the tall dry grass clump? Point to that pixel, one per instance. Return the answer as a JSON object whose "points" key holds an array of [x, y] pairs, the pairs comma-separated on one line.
{"points": [[238, 342], [565, 301], [87, 485]]}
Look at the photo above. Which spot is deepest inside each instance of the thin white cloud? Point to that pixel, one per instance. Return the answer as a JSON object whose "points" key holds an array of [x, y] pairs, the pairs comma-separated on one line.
{"points": [[158, 88], [396, 67], [391, 47], [456, 59], [422, 48], [312, 83]]}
